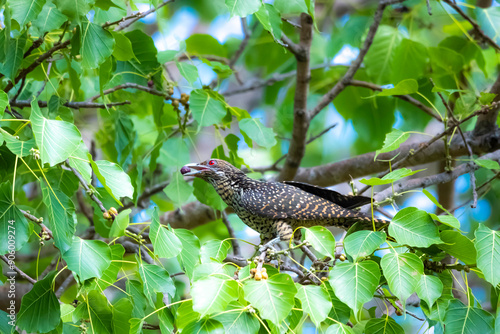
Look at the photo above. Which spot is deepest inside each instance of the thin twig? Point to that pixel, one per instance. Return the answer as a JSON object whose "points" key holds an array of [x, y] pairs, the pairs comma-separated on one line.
{"points": [[243, 44], [131, 85], [342, 83], [21, 273], [44, 81], [64, 285], [270, 81], [85, 186], [475, 26], [38, 221], [425, 145], [146, 194], [73, 105], [230, 231], [141, 15], [406, 98], [275, 164], [469, 150]]}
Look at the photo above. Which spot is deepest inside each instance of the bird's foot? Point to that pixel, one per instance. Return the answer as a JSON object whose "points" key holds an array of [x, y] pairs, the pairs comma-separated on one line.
{"points": [[269, 245]]}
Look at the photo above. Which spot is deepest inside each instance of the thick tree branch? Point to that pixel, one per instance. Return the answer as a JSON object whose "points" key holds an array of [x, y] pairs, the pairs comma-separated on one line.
{"points": [[406, 98], [342, 83], [362, 165], [73, 105], [475, 26], [427, 181], [300, 115]]}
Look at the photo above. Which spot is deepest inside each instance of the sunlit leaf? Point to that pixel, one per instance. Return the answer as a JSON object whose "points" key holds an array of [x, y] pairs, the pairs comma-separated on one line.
{"points": [[403, 272], [360, 244], [488, 253]]}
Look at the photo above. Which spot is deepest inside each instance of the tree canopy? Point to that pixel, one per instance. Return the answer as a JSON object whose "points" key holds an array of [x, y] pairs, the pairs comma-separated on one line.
{"points": [[103, 101]]}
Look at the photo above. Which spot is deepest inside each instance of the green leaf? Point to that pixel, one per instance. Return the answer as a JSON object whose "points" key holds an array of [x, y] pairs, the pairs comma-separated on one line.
{"points": [[123, 47], [13, 56], [185, 315], [445, 61], [122, 312], [87, 258], [393, 176], [204, 44], [380, 57], [414, 227], [463, 319], [189, 257], [322, 240], [174, 153], [488, 253], [490, 164], [216, 249], [165, 242], [339, 329], [392, 141], [429, 288], [361, 244], [24, 11], [40, 311], [291, 6], [254, 129], [205, 326], [403, 272], [49, 19], [116, 182], [408, 86], [155, 279], [206, 110], [12, 221], [273, 297], [459, 246], [409, 52], [486, 98], [120, 224], [315, 301], [243, 7], [79, 160], [206, 194], [62, 220], [239, 321], [56, 140], [4, 102], [98, 313], [449, 220], [96, 44], [270, 19], [109, 275], [74, 10], [178, 190], [188, 71], [20, 148], [384, 325], [355, 283], [212, 294]]}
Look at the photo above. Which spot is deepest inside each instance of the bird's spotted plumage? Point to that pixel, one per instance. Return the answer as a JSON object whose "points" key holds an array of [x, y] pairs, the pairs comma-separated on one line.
{"points": [[276, 209]]}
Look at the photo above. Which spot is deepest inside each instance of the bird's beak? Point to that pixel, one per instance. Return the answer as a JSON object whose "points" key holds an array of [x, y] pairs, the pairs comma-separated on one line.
{"points": [[193, 169]]}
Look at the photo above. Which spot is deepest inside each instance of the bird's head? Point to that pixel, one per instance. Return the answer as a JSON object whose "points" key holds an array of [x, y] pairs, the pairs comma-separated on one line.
{"points": [[212, 170]]}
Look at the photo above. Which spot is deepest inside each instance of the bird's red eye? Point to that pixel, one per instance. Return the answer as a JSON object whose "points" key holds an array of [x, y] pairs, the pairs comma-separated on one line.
{"points": [[211, 162]]}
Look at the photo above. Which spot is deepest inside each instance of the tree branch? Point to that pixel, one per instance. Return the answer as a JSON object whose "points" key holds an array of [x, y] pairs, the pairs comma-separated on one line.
{"points": [[342, 83], [230, 231], [243, 45], [300, 116], [406, 98], [85, 186], [138, 16], [38, 221], [131, 85], [21, 273], [427, 181], [475, 26], [488, 122], [73, 105]]}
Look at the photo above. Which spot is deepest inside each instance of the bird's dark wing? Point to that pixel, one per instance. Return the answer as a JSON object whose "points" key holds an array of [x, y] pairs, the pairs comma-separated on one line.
{"points": [[283, 201], [345, 201]]}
